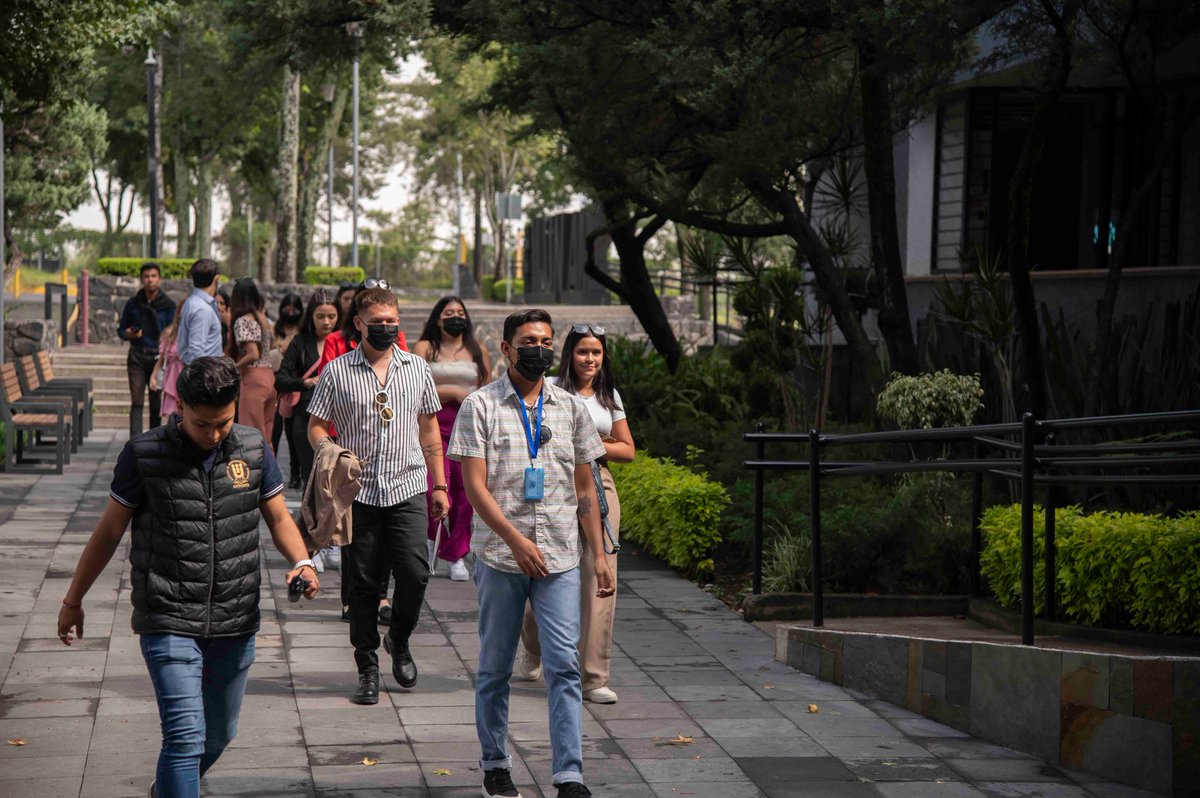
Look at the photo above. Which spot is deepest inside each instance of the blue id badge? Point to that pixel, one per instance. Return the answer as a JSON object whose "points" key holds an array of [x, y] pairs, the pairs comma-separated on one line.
{"points": [[535, 483]]}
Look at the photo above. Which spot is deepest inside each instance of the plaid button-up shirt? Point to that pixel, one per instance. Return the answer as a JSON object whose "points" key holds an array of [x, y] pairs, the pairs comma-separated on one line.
{"points": [[489, 427]]}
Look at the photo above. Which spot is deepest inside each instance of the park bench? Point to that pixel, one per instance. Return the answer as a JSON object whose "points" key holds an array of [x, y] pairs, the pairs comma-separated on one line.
{"points": [[32, 388], [37, 418], [45, 373]]}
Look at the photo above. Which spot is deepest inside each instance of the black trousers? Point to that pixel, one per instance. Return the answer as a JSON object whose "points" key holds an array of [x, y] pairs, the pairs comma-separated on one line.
{"points": [[140, 365], [396, 536]]}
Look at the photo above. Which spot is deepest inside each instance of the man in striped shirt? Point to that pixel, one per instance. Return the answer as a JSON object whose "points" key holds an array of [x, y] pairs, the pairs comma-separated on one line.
{"points": [[382, 402]]}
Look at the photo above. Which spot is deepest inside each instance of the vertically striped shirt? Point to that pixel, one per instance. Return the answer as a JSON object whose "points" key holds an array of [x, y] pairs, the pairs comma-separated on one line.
{"points": [[393, 465]]}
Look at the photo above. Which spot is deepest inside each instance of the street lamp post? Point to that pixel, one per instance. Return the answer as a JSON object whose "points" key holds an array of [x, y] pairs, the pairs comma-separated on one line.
{"points": [[355, 30], [460, 254], [328, 89], [152, 150]]}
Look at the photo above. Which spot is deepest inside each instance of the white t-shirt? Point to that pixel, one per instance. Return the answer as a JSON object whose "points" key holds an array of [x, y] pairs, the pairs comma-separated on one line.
{"points": [[602, 416]]}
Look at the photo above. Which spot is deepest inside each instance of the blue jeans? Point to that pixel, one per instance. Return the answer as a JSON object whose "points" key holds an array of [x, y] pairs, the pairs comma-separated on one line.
{"points": [[199, 683], [555, 601]]}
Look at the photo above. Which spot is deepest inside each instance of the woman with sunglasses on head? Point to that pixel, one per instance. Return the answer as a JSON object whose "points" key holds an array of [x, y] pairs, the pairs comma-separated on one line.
{"points": [[459, 366], [250, 342], [585, 371]]}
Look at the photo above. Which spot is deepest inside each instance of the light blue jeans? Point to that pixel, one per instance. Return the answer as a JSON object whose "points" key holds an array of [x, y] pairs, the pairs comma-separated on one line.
{"points": [[555, 602], [199, 683]]}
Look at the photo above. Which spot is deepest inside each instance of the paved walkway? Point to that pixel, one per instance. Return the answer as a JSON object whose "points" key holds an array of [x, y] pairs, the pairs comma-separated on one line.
{"points": [[705, 710]]}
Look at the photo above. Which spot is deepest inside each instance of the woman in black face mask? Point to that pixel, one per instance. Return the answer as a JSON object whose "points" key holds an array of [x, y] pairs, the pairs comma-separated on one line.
{"points": [[459, 366], [287, 325]]}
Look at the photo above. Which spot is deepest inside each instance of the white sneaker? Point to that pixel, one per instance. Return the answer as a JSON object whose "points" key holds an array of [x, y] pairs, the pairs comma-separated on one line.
{"points": [[318, 563], [333, 556], [528, 667], [601, 695], [458, 571]]}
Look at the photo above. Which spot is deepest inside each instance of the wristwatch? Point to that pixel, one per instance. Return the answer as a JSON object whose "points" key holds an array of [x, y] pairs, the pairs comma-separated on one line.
{"points": [[442, 488], [302, 563]]}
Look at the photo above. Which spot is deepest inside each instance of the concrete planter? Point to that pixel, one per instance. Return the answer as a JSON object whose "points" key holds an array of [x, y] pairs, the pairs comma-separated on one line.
{"points": [[1131, 719]]}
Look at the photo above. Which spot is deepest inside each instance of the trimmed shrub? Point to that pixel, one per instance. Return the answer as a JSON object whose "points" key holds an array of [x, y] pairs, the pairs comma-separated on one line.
{"points": [[671, 510], [486, 284], [1113, 569], [500, 289], [170, 268], [333, 275]]}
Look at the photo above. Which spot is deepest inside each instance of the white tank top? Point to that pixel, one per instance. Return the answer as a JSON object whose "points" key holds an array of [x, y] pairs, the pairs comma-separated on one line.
{"points": [[459, 373]]}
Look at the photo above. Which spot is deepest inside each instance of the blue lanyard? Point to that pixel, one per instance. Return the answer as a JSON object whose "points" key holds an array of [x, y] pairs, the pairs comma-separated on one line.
{"points": [[533, 440]]}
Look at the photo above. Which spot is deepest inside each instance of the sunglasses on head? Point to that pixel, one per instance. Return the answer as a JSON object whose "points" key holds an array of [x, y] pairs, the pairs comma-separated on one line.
{"points": [[584, 329], [385, 411], [374, 282]]}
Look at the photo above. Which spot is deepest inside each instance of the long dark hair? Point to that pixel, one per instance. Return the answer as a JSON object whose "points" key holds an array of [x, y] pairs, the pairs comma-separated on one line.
{"points": [[348, 330], [603, 383], [289, 301], [246, 301], [322, 296], [433, 334]]}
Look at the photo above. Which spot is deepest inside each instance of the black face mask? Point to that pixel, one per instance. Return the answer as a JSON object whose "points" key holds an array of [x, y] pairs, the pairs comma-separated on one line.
{"points": [[382, 336], [455, 326], [533, 361]]}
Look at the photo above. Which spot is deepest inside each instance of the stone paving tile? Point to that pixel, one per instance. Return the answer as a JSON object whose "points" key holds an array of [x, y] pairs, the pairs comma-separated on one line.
{"points": [[682, 664]]}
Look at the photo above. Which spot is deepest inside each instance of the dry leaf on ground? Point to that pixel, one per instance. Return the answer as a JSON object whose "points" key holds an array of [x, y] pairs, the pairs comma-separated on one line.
{"points": [[812, 708], [368, 761], [443, 772], [18, 741]]}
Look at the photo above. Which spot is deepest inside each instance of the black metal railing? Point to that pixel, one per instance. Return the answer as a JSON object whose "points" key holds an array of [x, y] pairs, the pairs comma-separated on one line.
{"points": [[1025, 452], [720, 289], [51, 290]]}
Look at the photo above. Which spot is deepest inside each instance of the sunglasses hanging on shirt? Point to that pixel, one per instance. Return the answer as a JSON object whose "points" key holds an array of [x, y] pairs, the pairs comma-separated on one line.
{"points": [[384, 405]]}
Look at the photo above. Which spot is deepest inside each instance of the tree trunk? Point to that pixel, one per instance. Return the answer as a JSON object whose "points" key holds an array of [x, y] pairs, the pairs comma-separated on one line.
{"points": [[183, 199], [313, 180], [878, 161], [829, 282], [286, 177], [1020, 190], [204, 192], [266, 266], [159, 217], [477, 254], [636, 286]]}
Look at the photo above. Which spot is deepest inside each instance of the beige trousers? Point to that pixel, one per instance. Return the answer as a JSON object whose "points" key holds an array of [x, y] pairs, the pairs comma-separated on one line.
{"points": [[595, 614]]}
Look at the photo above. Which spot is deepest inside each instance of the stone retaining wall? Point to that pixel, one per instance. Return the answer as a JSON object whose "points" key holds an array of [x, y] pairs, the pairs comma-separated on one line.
{"points": [[1130, 719], [23, 338]]}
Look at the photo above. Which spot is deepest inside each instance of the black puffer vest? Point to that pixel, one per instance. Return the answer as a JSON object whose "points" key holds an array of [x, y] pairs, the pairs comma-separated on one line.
{"points": [[195, 539]]}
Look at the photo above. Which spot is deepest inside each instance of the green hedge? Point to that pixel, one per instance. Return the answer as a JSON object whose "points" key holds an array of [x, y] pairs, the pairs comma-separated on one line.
{"points": [[501, 286], [333, 275], [170, 268], [671, 510], [486, 284], [1113, 569]]}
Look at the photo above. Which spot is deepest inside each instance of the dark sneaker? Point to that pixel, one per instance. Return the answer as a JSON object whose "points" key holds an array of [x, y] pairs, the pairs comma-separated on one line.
{"points": [[573, 789], [385, 614], [403, 667], [345, 615], [368, 688], [153, 793], [499, 784]]}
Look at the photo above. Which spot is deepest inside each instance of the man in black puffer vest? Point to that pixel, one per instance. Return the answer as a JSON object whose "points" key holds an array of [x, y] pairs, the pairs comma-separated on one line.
{"points": [[195, 489]]}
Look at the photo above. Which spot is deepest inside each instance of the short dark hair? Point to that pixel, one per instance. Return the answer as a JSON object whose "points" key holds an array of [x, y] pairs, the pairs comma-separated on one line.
{"points": [[369, 297], [209, 382], [147, 266], [204, 271], [522, 317]]}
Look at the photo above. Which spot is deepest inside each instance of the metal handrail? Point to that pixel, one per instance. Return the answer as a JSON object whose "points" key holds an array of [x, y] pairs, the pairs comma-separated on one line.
{"points": [[1035, 452]]}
